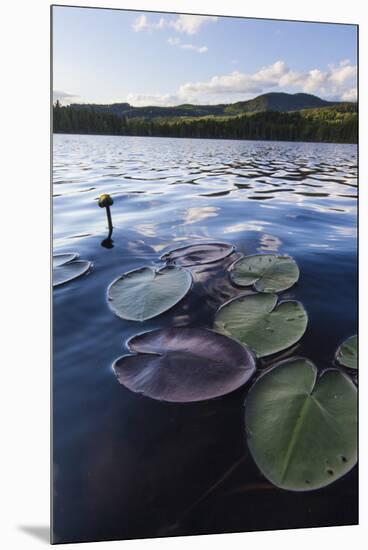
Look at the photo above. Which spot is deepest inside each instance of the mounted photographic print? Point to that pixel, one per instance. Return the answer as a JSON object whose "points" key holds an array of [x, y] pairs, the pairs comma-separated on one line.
{"points": [[205, 365]]}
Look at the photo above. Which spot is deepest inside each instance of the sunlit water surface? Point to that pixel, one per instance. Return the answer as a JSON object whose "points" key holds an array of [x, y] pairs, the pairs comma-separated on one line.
{"points": [[126, 466]]}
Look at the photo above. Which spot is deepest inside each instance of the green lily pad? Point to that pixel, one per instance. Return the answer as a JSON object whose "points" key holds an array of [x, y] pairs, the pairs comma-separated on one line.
{"points": [[347, 353], [302, 429], [68, 271], [184, 365], [61, 259], [267, 272], [198, 254], [145, 292], [256, 321]]}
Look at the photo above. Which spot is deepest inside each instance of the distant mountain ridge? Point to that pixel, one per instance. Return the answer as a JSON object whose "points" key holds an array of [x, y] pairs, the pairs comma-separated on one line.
{"points": [[152, 111], [281, 103], [272, 101]]}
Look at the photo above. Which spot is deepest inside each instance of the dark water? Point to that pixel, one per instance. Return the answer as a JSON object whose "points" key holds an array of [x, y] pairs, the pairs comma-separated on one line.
{"points": [[126, 466]]}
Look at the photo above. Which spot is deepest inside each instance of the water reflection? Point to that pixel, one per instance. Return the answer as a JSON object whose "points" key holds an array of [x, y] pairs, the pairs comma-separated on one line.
{"points": [[242, 227], [147, 229], [199, 213], [269, 243]]}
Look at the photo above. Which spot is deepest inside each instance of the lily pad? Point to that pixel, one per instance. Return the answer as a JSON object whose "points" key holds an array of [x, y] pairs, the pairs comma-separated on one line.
{"points": [[61, 259], [347, 353], [301, 428], [145, 292], [267, 272], [184, 365], [198, 254], [68, 271], [256, 321]]}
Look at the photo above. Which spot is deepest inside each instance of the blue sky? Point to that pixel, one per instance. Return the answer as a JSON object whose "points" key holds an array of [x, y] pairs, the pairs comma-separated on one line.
{"points": [[148, 58]]}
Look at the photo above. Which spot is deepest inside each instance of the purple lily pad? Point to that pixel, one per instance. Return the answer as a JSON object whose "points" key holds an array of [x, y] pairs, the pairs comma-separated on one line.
{"points": [[184, 365], [197, 254]]}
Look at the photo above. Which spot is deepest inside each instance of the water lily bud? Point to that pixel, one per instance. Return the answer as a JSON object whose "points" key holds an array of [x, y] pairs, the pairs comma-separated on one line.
{"points": [[105, 200]]}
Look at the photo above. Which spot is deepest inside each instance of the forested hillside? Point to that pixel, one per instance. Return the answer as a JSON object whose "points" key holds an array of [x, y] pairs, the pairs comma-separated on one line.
{"points": [[331, 124], [272, 101]]}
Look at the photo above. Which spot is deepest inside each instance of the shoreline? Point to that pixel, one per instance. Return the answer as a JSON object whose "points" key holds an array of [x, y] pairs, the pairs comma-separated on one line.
{"points": [[206, 138]]}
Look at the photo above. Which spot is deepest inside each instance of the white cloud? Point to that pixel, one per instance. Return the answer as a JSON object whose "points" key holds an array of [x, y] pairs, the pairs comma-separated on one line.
{"points": [[199, 49], [337, 82], [235, 82], [188, 24], [344, 72], [65, 97], [174, 41], [308, 82], [271, 74], [334, 83], [177, 42], [142, 100], [350, 95], [142, 23], [191, 24]]}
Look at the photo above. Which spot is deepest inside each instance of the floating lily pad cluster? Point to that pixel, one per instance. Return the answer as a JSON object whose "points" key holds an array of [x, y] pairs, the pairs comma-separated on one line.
{"points": [[260, 321], [178, 364], [66, 267], [301, 426]]}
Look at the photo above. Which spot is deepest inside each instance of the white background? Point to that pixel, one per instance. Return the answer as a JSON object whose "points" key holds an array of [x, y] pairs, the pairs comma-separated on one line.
{"points": [[24, 298]]}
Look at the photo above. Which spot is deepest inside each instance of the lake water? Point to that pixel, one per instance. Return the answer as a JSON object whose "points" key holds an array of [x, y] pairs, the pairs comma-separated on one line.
{"points": [[126, 466]]}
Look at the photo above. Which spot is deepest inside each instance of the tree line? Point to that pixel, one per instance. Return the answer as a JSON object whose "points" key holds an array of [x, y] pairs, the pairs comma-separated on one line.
{"points": [[330, 124]]}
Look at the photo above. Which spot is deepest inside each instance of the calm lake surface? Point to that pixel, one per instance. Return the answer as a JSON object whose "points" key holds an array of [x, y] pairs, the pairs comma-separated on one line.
{"points": [[126, 466]]}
